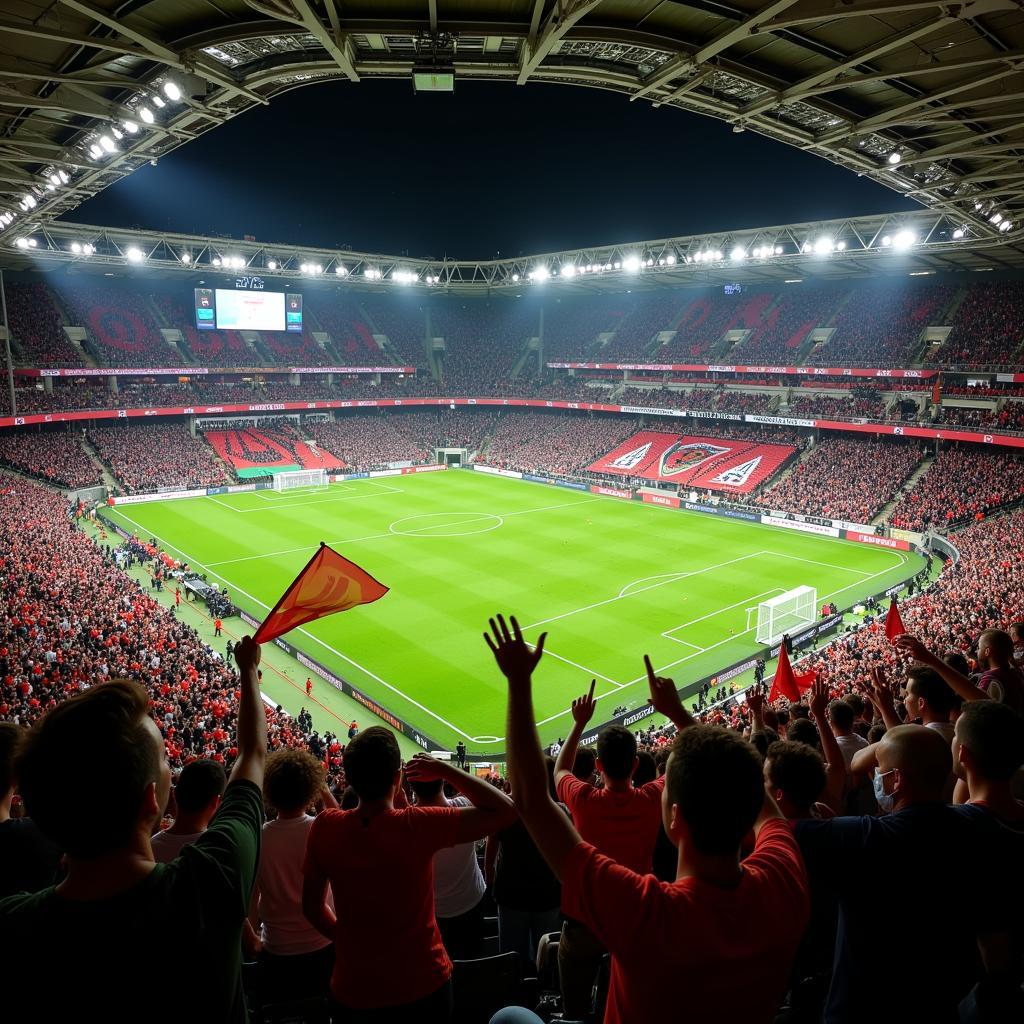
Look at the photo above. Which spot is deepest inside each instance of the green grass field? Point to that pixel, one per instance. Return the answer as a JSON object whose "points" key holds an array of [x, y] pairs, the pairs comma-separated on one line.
{"points": [[610, 580]]}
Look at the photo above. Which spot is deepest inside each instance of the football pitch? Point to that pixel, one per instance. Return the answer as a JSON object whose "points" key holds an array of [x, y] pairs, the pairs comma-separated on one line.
{"points": [[610, 580]]}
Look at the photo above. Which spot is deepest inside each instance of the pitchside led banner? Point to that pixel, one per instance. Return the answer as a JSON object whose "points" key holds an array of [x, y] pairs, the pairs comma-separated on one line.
{"points": [[328, 584]]}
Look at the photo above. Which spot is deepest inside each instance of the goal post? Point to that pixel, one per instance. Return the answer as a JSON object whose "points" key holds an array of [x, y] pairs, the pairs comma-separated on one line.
{"points": [[786, 613], [300, 478]]}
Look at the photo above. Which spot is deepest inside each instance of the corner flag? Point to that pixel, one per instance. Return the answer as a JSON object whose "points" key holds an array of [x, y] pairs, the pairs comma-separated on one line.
{"points": [[786, 682], [328, 584]]}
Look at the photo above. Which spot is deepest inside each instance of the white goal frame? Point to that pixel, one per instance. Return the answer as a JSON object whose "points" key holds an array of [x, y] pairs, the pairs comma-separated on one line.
{"points": [[300, 478], [785, 613]]}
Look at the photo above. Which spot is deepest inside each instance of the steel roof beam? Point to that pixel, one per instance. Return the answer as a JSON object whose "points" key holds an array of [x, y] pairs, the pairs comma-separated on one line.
{"points": [[560, 20]]}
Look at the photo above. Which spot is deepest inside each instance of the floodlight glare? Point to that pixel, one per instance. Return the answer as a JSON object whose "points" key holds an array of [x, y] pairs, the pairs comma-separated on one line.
{"points": [[995, 218], [157, 102], [959, 233], [824, 245], [130, 127], [515, 277], [215, 261], [271, 264], [1006, 225], [107, 143], [304, 268], [778, 250], [135, 255], [632, 263], [76, 247], [886, 240], [540, 273], [840, 246], [32, 243], [64, 176], [670, 259], [22, 243], [88, 248], [339, 270], [146, 114], [894, 158], [738, 254], [186, 257], [319, 268], [568, 270], [807, 247], [117, 133], [171, 91], [95, 151], [55, 178], [904, 239]]}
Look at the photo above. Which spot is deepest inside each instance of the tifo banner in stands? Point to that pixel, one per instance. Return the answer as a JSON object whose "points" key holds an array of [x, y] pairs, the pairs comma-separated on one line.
{"points": [[719, 464], [803, 371]]}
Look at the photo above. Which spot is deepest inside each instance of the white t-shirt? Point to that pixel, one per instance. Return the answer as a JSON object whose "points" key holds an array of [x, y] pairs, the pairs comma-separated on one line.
{"points": [[946, 728], [285, 931], [458, 882], [849, 745], [167, 845]]}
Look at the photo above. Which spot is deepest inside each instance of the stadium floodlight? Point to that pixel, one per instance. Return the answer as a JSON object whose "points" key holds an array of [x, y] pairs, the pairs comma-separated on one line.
{"points": [[158, 102], [738, 253], [403, 276], [886, 240], [130, 127], [186, 257], [515, 277], [117, 133], [806, 247], [670, 259], [76, 247], [824, 245], [172, 91], [215, 261], [539, 274], [55, 178], [271, 264], [903, 240], [88, 248], [840, 245], [995, 218], [568, 270], [146, 114], [959, 233], [719, 255], [95, 151], [894, 157], [29, 200], [372, 274], [304, 268], [1006, 225], [107, 143], [22, 243], [632, 263], [63, 175], [618, 264], [135, 255]]}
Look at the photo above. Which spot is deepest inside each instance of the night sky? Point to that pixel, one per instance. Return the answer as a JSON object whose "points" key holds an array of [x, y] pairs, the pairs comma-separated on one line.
{"points": [[494, 169]]}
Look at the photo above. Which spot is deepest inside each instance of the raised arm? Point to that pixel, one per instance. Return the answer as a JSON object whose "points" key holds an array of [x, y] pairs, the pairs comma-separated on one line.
{"points": [[491, 811], [551, 830], [835, 765], [664, 698], [251, 730], [958, 682], [882, 698], [582, 712], [755, 702]]}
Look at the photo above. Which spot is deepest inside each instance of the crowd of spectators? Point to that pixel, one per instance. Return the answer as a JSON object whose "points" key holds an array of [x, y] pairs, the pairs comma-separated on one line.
{"points": [[1006, 419], [366, 441], [844, 478], [148, 457], [831, 407], [204, 348], [780, 335], [56, 457], [987, 328], [960, 485], [36, 327]]}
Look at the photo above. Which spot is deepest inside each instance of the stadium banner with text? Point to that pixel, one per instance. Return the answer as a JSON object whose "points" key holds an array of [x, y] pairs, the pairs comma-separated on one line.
{"points": [[718, 510], [432, 468], [138, 499], [894, 543], [887, 429], [240, 488], [340, 478], [384, 472], [534, 479], [669, 500], [782, 421], [573, 485], [819, 626], [611, 492], [192, 371], [809, 371], [804, 527], [396, 723], [494, 471]]}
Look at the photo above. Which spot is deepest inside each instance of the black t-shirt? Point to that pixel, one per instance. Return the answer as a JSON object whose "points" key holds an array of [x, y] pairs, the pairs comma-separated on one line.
{"points": [[117, 959], [522, 879], [28, 860]]}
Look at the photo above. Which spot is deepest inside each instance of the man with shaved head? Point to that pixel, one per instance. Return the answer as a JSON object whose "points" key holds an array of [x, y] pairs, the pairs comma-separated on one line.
{"points": [[904, 949]]}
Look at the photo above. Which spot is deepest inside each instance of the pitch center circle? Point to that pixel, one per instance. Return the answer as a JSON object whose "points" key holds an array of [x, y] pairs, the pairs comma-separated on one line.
{"points": [[446, 524]]}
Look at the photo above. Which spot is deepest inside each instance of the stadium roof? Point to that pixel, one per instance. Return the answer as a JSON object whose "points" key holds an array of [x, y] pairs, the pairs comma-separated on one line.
{"points": [[925, 97]]}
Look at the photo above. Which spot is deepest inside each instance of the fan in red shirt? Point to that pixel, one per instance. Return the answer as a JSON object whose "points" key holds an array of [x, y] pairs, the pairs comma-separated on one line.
{"points": [[378, 860], [702, 939], [622, 821]]}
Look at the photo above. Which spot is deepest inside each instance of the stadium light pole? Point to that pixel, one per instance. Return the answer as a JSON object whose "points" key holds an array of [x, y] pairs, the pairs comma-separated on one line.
{"points": [[7, 345]]}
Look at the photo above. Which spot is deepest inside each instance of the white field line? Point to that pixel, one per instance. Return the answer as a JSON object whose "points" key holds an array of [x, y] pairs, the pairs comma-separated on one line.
{"points": [[583, 668], [274, 506], [306, 633], [673, 578], [814, 561]]}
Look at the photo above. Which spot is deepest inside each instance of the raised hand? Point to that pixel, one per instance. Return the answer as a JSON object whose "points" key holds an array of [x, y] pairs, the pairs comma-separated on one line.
{"points": [[424, 768], [755, 700], [583, 707], [247, 654], [664, 697], [819, 698], [880, 694], [512, 653], [913, 647]]}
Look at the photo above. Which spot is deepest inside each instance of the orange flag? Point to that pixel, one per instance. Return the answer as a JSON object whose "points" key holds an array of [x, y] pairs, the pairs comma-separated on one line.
{"points": [[328, 584], [893, 622], [786, 682]]}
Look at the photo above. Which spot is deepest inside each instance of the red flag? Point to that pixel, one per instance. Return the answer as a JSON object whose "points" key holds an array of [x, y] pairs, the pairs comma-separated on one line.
{"points": [[328, 584], [893, 623], [786, 682], [937, 390]]}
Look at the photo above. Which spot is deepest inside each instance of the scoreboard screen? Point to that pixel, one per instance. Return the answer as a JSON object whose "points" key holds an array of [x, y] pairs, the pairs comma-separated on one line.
{"points": [[247, 309]]}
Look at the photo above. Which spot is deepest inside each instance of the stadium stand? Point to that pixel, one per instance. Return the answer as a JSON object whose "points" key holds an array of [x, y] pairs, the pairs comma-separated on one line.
{"points": [[155, 456], [987, 328], [370, 441], [36, 328], [57, 458], [845, 479], [960, 485], [204, 348], [278, 447]]}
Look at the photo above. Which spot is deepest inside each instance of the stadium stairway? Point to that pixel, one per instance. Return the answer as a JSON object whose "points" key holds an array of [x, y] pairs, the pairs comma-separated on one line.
{"points": [[85, 353], [909, 484], [94, 457]]}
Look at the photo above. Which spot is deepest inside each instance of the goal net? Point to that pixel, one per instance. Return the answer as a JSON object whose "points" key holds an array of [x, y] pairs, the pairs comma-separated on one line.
{"points": [[300, 478], [786, 614]]}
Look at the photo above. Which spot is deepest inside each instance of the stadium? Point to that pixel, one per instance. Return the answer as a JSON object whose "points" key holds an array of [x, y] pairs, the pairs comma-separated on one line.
{"points": [[754, 495]]}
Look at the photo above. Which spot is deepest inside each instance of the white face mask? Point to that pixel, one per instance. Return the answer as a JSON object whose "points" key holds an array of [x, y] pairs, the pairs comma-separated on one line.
{"points": [[885, 800]]}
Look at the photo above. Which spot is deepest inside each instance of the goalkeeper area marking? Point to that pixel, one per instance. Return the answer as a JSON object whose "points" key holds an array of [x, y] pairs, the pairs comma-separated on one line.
{"points": [[610, 579]]}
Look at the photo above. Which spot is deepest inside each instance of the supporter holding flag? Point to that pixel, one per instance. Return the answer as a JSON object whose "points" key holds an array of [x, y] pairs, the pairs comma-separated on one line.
{"points": [[94, 776], [893, 622], [695, 937], [786, 682]]}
